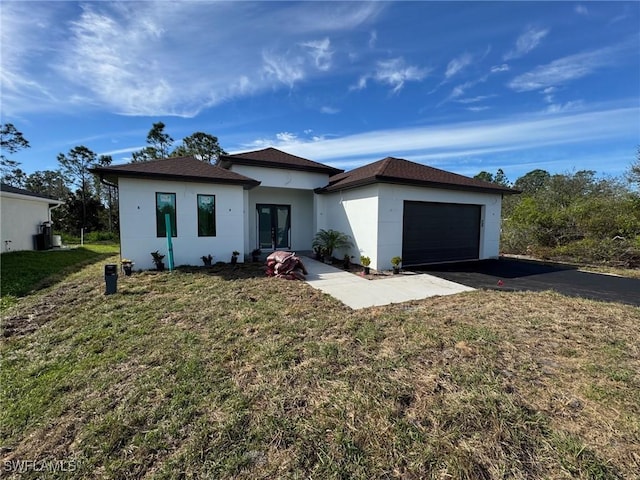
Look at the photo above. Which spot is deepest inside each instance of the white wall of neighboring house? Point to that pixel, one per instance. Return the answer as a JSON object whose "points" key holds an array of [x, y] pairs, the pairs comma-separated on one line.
{"points": [[390, 215], [138, 222], [21, 217]]}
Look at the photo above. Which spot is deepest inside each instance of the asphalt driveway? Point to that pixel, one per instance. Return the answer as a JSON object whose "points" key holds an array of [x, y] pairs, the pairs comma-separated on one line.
{"points": [[520, 275]]}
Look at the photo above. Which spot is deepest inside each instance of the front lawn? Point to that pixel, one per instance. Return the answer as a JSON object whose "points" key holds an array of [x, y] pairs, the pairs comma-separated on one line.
{"points": [[223, 373], [25, 271]]}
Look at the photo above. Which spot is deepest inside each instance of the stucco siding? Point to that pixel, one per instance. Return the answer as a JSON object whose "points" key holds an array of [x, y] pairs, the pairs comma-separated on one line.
{"points": [[354, 212], [283, 178], [302, 218], [21, 219], [392, 199], [138, 222]]}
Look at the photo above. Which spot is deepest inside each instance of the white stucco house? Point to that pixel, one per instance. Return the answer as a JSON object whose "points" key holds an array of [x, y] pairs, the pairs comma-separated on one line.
{"points": [[272, 200], [22, 216]]}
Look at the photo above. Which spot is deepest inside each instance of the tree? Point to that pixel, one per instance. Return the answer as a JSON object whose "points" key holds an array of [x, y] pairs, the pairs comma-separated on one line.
{"points": [[11, 141], [158, 142], [202, 146], [499, 178], [533, 182], [15, 177], [75, 167], [633, 175], [47, 182], [109, 193]]}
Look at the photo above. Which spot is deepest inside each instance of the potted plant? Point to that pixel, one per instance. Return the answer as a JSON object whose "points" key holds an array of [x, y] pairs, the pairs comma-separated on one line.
{"points": [[396, 261], [365, 262], [329, 240], [207, 259], [127, 266], [234, 257], [157, 260], [255, 254]]}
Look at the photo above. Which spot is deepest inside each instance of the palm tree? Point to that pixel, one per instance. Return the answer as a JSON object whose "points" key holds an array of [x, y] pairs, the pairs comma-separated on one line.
{"points": [[329, 240]]}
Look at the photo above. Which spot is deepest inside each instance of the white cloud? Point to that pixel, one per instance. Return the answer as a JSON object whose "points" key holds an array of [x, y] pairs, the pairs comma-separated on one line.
{"points": [[285, 70], [330, 110], [320, 51], [373, 38], [479, 98], [500, 68], [139, 58], [478, 108], [286, 137], [395, 73], [581, 10], [458, 139], [556, 108], [526, 42], [566, 69], [457, 64]]}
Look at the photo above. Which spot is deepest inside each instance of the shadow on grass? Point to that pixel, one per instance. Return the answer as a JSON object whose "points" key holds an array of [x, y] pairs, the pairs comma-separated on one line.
{"points": [[26, 271]]}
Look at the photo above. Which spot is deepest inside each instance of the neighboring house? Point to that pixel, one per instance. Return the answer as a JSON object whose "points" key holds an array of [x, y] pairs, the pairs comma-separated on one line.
{"points": [[23, 215], [272, 200]]}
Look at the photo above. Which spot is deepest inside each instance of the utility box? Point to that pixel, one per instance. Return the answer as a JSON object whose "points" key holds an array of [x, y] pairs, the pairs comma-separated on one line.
{"points": [[111, 278]]}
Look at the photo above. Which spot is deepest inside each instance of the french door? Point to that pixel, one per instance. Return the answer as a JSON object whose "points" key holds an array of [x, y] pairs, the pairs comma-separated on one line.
{"points": [[274, 226]]}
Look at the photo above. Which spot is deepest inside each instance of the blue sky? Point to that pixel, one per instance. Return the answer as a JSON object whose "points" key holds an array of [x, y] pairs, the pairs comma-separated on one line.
{"points": [[460, 86]]}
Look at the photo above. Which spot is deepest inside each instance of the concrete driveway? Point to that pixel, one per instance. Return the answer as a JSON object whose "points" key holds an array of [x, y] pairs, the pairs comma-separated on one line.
{"points": [[357, 292], [519, 275]]}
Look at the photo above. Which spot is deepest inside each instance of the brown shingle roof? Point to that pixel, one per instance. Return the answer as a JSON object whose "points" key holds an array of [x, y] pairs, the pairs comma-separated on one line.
{"points": [[4, 187], [274, 158], [177, 168], [398, 170]]}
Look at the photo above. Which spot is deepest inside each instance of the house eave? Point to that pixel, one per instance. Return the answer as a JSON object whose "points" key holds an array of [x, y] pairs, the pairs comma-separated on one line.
{"points": [[113, 176], [417, 183], [227, 162]]}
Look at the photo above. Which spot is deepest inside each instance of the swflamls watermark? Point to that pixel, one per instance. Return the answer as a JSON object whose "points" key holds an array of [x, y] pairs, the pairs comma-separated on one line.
{"points": [[24, 466]]}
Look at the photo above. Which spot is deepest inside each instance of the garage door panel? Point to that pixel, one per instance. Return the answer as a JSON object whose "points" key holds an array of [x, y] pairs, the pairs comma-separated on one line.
{"points": [[440, 232]]}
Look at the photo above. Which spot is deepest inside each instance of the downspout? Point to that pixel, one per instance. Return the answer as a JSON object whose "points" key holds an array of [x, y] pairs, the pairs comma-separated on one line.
{"points": [[53, 208]]}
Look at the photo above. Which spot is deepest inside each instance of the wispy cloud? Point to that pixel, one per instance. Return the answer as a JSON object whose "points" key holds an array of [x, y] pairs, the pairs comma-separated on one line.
{"points": [[393, 72], [373, 38], [500, 68], [457, 64], [138, 58], [526, 42], [567, 69], [479, 98], [320, 51], [581, 10], [478, 108], [459, 139], [329, 110]]}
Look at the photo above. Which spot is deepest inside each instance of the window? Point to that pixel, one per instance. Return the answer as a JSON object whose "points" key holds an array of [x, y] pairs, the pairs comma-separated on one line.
{"points": [[206, 215], [166, 203]]}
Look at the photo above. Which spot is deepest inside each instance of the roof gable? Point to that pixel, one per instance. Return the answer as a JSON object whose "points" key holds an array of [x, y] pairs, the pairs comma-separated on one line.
{"points": [[398, 170], [274, 158], [176, 168]]}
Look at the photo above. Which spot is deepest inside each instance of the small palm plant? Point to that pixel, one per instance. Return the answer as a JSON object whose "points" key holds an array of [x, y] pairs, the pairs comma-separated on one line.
{"points": [[330, 240]]}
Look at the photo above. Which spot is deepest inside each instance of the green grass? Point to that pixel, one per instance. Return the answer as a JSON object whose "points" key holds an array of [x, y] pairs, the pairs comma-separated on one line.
{"points": [[25, 271], [223, 373]]}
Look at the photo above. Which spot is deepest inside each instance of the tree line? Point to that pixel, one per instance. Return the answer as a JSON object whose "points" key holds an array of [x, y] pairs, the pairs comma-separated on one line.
{"points": [[575, 216], [89, 204]]}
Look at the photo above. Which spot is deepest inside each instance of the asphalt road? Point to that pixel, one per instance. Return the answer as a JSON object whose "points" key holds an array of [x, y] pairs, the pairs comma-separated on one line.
{"points": [[525, 275]]}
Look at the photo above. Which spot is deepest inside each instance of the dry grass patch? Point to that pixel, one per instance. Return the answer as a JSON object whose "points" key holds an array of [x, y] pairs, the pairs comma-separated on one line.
{"points": [[222, 373]]}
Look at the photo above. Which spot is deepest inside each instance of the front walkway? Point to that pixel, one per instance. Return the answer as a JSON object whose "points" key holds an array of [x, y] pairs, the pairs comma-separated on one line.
{"points": [[357, 292]]}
